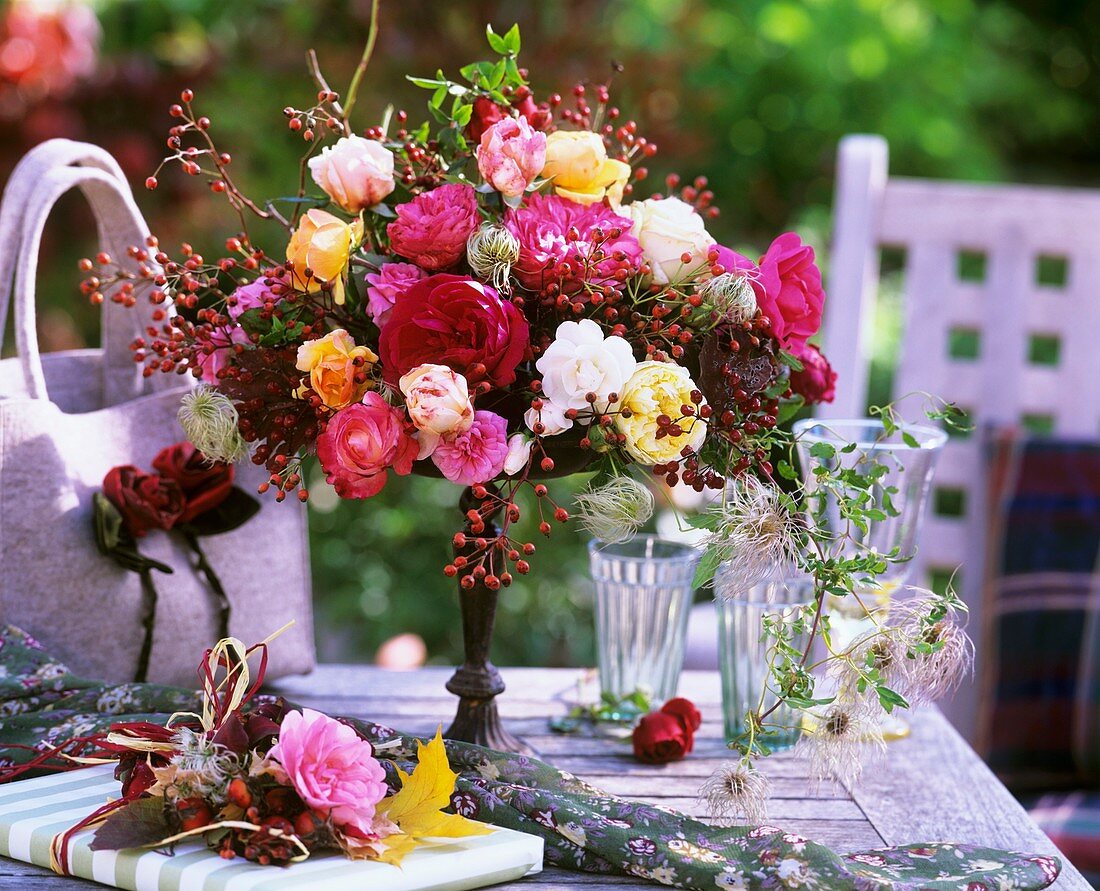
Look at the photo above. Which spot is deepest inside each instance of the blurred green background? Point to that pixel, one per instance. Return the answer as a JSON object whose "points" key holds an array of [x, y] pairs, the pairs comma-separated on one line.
{"points": [[754, 94]]}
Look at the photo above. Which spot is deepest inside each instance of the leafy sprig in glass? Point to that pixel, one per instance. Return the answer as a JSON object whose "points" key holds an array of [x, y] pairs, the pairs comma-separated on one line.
{"points": [[837, 686]]}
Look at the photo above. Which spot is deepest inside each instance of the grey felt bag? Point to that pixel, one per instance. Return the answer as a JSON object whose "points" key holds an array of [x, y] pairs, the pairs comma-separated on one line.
{"points": [[66, 419]]}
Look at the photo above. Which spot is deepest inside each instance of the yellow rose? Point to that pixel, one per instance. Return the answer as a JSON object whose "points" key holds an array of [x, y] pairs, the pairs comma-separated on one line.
{"points": [[658, 388], [577, 163], [332, 365], [322, 244]]}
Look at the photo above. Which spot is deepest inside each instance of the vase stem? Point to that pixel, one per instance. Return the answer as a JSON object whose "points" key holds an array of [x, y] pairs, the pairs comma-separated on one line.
{"points": [[477, 682]]}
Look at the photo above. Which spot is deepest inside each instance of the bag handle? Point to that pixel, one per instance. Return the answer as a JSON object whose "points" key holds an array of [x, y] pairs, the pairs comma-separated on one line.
{"points": [[39, 181]]}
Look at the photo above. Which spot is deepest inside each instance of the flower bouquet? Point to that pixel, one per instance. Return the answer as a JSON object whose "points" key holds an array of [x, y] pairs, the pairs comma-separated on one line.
{"points": [[487, 297], [482, 297]]}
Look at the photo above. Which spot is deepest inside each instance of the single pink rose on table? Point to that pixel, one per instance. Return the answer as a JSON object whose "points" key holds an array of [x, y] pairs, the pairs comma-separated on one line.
{"points": [[511, 155], [386, 285], [431, 230], [816, 382], [356, 173], [438, 401], [361, 443], [332, 769], [478, 454]]}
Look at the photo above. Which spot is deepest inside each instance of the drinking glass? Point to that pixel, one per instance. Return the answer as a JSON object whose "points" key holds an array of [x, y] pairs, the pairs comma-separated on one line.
{"points": [[743, 655], [643, 599]]}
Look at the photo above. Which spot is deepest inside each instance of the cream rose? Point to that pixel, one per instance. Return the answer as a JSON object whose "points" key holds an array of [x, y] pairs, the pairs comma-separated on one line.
{"points": [[519, 453], [668, 228], [577, 163], [655, 389], [438, 401], [356, 173], [582, 361]]}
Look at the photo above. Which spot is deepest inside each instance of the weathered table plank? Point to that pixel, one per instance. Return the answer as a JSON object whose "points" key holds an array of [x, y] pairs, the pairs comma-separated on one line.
{"points": [[930, 787]]}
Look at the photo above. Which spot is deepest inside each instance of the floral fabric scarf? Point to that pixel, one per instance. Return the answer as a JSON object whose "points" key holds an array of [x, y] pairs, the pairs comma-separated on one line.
{"points": [[43, 705]]}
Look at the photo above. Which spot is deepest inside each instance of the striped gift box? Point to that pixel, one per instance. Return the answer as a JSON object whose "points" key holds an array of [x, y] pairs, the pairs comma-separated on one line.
{"points": [[33, 811]]}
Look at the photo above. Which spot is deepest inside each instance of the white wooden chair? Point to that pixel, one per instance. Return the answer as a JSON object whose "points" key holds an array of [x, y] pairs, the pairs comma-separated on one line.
{"points": [[1001, 315]]}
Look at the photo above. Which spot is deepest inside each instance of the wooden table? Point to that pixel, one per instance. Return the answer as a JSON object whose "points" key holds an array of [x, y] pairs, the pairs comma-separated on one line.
{"points": [[931, 787]]}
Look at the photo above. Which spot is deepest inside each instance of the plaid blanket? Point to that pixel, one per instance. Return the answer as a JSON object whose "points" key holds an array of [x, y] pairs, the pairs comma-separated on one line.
{"points": [[1041, 670], [1072, 820]]}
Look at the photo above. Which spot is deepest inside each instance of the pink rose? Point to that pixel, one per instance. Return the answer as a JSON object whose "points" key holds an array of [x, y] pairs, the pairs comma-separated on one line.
{"points": [[816, 382], [792, 285], [476, 455], [511, 155], [213, 355], [455, 321], [545, 228], [356, 173], [360, 443], [254, 295], [384, 287], [788, 288], [431, 230], [332, 769], [438, 401]]}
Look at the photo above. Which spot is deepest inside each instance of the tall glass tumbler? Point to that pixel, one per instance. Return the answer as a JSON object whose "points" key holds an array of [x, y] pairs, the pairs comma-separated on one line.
{"points": [[744, 657], [643, 600]]}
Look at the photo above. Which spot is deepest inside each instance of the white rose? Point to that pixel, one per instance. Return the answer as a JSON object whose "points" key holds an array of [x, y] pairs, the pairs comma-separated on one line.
{"points": [[551, 417], [356, 173], [519, 453], [668, 228], [582, 361]]}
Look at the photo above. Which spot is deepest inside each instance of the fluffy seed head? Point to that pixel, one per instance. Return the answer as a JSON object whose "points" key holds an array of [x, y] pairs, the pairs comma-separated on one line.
{"points": [[209, 419], [615, 511], [756, 534], [736, 789], [491, 252], [732, 296], [843, 737]]}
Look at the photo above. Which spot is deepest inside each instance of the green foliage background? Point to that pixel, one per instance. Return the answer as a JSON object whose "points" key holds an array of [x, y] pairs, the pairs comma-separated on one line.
{"points": [[754, 94]]}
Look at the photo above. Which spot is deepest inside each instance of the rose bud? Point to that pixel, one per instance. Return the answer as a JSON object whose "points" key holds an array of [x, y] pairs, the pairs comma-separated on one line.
{"points": [[660, 738]]}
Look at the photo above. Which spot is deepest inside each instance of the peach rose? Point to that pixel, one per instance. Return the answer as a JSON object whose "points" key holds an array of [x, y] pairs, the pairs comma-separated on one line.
{"points": [[338, 369], [356, 173], [577, 163], [361, 443], [322, 244]]}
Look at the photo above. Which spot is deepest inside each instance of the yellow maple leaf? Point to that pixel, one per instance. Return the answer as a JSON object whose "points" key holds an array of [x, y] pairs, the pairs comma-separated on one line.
{"points": [[417, 808]]}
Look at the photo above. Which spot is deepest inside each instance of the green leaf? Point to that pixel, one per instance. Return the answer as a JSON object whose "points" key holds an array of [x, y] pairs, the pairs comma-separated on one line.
{"points": [[496, 41], [140, 824], [708, 566], [705, 520], [426, 83], [889, 700], [790, 360], [237, 509], [511, 40], [823, 451], [789, 408], [785, 470], [910, 440], [383, 210], [463, 114]]}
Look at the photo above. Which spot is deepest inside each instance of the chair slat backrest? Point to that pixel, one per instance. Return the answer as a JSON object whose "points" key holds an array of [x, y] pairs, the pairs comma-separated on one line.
{"points": [[1001, 316]]}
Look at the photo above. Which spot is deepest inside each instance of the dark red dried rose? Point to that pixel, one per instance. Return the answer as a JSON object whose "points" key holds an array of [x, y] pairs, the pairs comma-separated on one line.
{"points": [[145, 500], [205, 484]]}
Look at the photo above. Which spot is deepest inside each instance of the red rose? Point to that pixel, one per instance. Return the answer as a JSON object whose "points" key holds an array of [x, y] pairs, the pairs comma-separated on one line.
{"points": [[486, 113], [205, 484], [816, 382], [455, 321], [685, 710], [145, 500], [660, 738]]}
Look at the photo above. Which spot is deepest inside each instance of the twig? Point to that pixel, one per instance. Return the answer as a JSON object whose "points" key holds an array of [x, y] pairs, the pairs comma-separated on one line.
{"points": [[372, 36]]}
